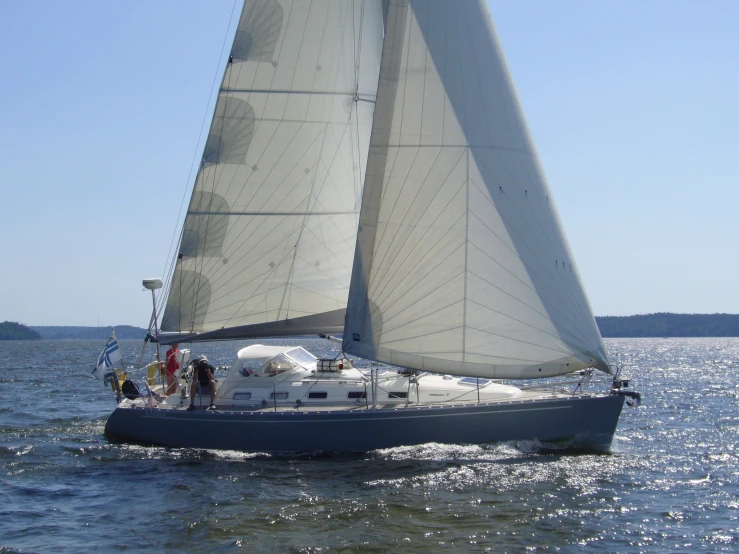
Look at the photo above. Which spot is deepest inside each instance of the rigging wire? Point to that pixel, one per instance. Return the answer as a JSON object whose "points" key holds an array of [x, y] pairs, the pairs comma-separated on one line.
{"points": [[172, 265]]}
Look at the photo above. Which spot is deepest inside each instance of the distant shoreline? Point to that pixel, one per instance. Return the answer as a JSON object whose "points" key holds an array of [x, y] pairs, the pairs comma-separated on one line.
{"points": [[659, 325], [10, 330], [62, 332], [662, 325]]}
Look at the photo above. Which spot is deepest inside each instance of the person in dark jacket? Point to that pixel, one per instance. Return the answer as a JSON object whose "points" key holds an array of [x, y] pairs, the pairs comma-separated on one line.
{"points": [[203, 375]]}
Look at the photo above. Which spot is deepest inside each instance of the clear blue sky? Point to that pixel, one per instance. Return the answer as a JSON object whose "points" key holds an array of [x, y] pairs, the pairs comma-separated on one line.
{"points": [[633, 105]]}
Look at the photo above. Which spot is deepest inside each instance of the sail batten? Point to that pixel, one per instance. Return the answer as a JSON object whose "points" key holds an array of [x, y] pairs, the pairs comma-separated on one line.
{"points": [[461, 263], [270, 230], [275, 214]]}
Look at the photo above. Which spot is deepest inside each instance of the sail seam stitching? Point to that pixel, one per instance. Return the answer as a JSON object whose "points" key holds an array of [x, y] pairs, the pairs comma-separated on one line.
{"points": [[394, 249]]}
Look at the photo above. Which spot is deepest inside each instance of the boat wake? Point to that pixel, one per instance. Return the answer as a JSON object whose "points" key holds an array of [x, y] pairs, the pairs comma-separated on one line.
{"points": [[489, 452]]}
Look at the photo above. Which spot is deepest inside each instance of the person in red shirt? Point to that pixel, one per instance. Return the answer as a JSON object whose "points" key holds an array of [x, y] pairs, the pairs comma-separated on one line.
{"points": [[173, 365]]}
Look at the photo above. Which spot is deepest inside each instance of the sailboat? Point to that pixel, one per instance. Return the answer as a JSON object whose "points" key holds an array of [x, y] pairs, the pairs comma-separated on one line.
{"points": [[368, 172]]}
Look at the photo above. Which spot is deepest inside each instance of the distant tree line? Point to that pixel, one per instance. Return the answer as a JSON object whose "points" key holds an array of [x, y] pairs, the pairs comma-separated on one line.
{"points": [[669, 325], [650, 325], [9, 330], [70, 332]]}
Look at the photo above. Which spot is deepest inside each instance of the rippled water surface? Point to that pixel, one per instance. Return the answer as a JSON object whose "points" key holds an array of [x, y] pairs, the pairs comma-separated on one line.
{"points": [[671, 482]]}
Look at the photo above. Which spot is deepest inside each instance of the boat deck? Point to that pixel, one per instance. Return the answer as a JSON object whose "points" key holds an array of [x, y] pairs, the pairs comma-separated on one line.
{"points": [[525, 396]]}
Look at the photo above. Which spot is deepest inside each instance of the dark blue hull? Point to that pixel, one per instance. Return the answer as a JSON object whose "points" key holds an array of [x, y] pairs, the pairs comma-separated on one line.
{"points": [[587, 420]]}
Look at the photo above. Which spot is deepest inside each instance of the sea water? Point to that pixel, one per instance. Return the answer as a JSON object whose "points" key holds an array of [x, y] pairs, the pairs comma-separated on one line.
{"points": [[670, 482]]}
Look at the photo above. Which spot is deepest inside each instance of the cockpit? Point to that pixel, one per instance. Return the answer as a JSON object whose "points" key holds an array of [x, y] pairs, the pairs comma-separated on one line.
{"points": [[258, 363]]}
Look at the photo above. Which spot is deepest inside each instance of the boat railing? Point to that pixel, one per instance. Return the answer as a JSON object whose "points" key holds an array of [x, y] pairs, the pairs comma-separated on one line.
{"points": [[585, 377]]}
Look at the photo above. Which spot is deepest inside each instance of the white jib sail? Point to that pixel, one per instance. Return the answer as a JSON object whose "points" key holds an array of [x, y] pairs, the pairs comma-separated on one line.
{"points": [[270, 231], [462, 265]]}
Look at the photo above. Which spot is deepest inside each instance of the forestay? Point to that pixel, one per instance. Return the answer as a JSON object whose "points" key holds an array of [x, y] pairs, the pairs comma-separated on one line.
{"points": [[461, 265], [269, 235]]}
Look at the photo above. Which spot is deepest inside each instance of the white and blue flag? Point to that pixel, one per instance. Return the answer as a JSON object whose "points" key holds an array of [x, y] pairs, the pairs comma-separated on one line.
{"points": [[110, 355]]}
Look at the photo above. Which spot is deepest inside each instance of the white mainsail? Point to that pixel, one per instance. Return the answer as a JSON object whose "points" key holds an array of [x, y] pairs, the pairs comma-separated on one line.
{"points": [[461, 263], [269, 235]]}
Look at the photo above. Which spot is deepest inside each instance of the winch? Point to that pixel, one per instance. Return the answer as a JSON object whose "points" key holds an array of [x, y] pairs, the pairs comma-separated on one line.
{"points": [[333, 364]]}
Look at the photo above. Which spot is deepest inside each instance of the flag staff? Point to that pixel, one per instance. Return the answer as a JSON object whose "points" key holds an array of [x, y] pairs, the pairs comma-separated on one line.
{"points": [[110, 354], [123, 366]]}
